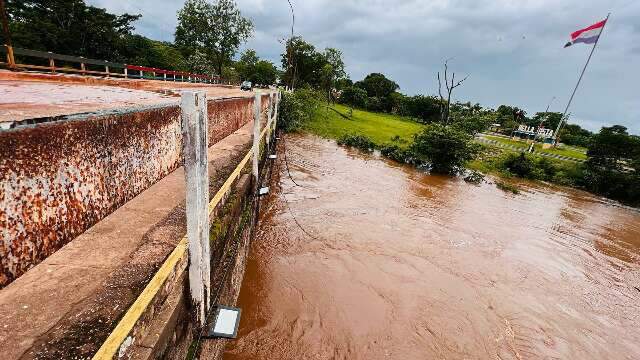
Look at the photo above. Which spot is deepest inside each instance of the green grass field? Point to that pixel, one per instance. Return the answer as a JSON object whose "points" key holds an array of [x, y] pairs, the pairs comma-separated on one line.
{"points": [[574, 152], [380, 128]]}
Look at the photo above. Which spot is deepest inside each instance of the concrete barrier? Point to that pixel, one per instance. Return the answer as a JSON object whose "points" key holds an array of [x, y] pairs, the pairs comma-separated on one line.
{"points": [[61, 177]]}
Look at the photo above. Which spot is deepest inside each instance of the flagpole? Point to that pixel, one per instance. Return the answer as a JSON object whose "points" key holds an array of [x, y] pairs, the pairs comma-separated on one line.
{"points": [[562, 119]]}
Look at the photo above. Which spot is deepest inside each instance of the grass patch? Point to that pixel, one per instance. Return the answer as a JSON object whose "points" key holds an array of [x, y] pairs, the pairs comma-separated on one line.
{"points": [[507, 187], [382, 129], [570, 151]]}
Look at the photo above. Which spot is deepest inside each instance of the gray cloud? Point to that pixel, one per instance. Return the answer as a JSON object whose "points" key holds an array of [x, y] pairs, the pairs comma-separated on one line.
{"points": [[512, 50]]}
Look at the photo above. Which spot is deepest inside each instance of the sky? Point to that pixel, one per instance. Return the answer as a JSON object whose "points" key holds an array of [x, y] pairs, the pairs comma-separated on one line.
{"points": [[511, 50]]}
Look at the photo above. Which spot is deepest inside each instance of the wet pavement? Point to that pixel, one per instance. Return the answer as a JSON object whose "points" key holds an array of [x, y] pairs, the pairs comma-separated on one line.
{"points": [[368, 259], [32, 95]]}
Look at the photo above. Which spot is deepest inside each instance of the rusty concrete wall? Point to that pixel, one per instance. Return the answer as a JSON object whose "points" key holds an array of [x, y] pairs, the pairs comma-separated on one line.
{"points": [[58, 179]]}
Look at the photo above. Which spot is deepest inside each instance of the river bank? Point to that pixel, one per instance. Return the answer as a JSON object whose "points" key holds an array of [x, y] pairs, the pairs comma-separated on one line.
{"points": [[370, 259]]}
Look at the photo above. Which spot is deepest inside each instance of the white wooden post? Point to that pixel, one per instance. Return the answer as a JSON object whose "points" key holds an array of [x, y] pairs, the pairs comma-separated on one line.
{"points": [[256, 136], [269, 119], [275, 111], [195, 145]]}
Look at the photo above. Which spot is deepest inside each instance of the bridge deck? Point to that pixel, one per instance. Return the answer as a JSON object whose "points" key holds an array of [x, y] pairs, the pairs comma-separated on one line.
{"points": [[68, 303], [33, 95]]}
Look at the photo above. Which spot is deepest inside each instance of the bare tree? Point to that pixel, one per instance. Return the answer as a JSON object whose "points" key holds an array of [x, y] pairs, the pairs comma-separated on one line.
{"points": [[445, 105]]}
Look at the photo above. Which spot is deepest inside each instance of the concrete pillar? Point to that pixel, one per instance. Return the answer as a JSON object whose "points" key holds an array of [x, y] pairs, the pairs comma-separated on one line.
{"points": [[196, 169]]}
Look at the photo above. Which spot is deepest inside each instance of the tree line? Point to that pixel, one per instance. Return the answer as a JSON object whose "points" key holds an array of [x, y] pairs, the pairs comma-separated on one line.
{"points": [[446, 144], [207, 37]]}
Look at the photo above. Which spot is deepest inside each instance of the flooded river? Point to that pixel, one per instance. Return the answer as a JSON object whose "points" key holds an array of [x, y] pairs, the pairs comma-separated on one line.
{"points": [[368, 259]]}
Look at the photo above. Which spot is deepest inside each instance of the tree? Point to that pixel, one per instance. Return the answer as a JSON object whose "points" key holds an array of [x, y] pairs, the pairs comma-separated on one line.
{"points": [[449, 86], [446, 148], [217, 30], [572, 134], [611, 148], [377, 85], [343, 83], [332, 70], [140, 50], [549, 120], [264, 73], [305, 67], [251, 68], [424, 108], [612, 167], [69, 27], [354, 96]]}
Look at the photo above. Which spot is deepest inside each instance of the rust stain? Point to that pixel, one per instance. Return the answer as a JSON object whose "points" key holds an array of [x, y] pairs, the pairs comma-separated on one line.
{"points": [[58, 179]]}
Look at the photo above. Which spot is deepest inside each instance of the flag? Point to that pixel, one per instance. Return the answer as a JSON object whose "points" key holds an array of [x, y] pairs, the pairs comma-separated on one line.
{"points": [[588, 35]]}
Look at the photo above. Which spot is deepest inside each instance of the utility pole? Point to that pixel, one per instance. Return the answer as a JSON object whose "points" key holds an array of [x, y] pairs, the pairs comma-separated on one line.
{"points": [[290, 64]]}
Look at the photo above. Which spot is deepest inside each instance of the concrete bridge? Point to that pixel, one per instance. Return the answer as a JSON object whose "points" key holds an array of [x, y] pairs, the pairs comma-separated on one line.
{"points": [[94, 257]]}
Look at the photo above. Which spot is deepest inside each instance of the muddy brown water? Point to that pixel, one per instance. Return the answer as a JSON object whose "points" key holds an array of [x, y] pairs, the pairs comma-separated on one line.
{"points": [[398, 264]]}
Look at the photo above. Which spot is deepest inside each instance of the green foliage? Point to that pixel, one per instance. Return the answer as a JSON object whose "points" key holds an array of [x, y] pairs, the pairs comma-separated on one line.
{"points": [[215, 30], [354, 96], [535, 167], [361, 142], [446, 148], [298, 108], [507, 187], [474, 177], [142, 51], [424, 108], [69, 27], [305, 66], [399, 154], [613, 167], [230, 74], [520, 165], [509, 117], [472, 124], [575, 135], [376, 84], [343, 83], [251, 68], [550, 120]]}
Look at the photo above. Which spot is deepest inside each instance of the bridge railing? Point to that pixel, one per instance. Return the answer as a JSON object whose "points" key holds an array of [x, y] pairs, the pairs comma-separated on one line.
{"points": [[85, 66]]}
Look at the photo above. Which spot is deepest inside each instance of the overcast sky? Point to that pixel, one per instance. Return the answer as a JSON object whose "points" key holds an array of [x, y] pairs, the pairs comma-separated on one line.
{"points": [[512, 50]]}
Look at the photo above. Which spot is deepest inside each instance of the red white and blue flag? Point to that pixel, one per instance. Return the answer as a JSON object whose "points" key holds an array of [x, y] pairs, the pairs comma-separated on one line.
{"points": [[588, 35]]}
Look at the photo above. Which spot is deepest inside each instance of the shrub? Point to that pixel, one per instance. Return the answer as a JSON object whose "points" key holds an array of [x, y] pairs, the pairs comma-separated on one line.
{"points": [[298, 107], [361, 142], [446, 148], [507, 187], [354, 96], [519, 165], [375, 104], [396, 153], [474, 177]]}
